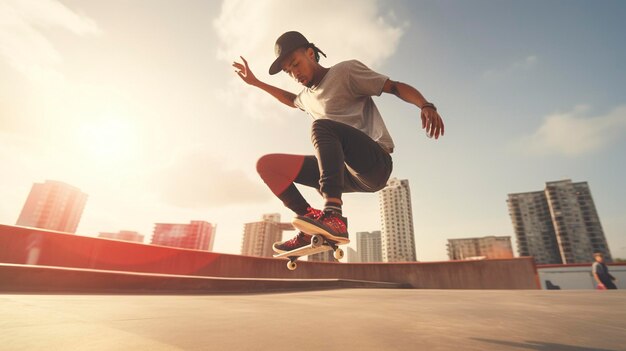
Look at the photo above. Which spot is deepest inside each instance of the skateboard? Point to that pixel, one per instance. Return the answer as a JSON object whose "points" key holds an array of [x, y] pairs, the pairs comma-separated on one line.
{"points": [[318, 244]]}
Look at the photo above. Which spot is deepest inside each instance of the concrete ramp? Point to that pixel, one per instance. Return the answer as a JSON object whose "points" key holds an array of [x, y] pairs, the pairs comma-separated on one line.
{"points": [[45, 279], [31, 246]]}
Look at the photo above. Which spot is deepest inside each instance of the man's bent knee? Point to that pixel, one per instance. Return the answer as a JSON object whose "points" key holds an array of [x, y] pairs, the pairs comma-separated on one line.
{"points": [[265, 164], [278, 171]]}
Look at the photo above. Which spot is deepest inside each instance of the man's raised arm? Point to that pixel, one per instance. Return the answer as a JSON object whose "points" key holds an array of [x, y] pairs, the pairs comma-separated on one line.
{"points": [[431, 121], [243, 70]]}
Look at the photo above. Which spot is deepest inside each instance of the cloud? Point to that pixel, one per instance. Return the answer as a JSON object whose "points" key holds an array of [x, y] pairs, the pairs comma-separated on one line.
{"points": [[522, 65], [342, 29], [574, 133], [197, 179], [22, 42]]}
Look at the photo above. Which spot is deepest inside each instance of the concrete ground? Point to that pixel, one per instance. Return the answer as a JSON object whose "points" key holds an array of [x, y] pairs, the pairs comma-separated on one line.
{"points": [[323, 320]]}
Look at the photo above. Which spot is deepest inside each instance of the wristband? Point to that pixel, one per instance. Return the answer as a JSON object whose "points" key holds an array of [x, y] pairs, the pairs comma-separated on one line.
{"points": [[429, 104]]}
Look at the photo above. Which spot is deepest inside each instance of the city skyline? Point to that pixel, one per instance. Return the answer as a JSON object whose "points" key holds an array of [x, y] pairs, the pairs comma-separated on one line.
{"points": [[258, 236], [138, 106]]}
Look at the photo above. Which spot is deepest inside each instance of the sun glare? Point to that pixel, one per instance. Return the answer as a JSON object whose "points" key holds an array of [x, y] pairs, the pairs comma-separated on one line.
{"points": [[108, 140]]}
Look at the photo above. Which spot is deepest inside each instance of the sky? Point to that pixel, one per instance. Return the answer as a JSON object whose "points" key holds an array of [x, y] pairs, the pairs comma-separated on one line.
{"points": [[136, 104]]}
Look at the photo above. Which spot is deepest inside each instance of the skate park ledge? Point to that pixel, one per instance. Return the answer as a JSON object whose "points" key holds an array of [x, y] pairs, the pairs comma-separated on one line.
{"points": [[36, 260]]}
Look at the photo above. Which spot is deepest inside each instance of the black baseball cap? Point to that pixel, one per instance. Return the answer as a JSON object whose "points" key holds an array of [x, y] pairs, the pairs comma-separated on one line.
{"points": [[285, 45]]}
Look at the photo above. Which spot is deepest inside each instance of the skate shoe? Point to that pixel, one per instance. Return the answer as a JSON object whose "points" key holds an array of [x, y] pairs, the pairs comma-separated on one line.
{"points": [[330, 225], [313, 213], [298, 241], [301, 239]]}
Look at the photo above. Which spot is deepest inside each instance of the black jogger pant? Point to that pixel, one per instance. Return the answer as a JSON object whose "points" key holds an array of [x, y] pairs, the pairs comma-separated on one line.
{"points": [[345, 160]]}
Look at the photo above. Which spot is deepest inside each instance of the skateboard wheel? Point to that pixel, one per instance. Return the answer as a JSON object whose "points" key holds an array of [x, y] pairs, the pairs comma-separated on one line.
{"points": [[316, 241], [338, 254], [291, 265]]}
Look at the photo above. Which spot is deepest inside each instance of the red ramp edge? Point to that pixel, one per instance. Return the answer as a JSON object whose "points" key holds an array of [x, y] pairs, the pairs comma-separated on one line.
{"points": [[45, 279], [32, 246]]}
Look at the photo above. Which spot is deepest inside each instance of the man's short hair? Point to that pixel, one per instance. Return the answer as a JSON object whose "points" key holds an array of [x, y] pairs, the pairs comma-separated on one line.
{"points": [[596, 254]]}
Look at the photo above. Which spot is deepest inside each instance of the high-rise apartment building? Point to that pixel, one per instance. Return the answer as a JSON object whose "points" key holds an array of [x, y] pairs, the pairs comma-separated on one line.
{"points": [[397, 239], [576, 221], [125, 235], [353, 256], [369, 246], [197, 235], [532, 223], [258, 237], [325, 256], [53, 205], [488, 247], [559, 224]]}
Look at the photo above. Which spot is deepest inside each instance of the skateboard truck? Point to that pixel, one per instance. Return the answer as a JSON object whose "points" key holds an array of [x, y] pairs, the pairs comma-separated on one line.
{"points": [[318, 244]]}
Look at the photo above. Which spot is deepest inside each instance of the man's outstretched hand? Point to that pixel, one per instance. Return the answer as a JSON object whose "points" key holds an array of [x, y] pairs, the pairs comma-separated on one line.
{"points": [[244, 72], [432, 123]]}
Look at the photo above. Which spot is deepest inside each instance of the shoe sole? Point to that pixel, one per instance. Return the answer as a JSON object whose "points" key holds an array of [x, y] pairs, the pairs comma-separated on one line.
{"points": [[312, 229], [278, 251]]}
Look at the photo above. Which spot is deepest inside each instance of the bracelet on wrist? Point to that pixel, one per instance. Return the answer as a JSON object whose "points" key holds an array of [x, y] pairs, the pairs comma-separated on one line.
{"points": [[429, 105]]}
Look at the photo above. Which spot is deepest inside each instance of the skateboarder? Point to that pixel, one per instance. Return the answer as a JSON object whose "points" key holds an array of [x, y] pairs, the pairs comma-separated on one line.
{"points": [[352, 145]]}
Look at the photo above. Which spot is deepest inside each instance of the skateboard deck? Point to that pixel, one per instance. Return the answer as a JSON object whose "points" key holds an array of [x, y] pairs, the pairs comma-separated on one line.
{"points": [[318, 244]]}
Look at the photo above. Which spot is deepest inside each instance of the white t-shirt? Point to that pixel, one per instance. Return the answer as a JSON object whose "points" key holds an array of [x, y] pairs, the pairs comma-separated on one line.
{"points": [[345, 95]]}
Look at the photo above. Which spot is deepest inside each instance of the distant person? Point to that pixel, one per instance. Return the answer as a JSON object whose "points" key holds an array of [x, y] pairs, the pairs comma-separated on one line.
{"points": [[601, 273], [352, 145]]}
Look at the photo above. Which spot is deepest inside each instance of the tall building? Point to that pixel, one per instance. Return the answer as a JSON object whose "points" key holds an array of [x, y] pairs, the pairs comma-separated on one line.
{"points": [[53, 205], [477, 248], [369, 247], [397, 238], [563, 217], [326, 256], [353, 256], [197, 235], [258, 237], [125, 235], [576, 221], [532, 223]]}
